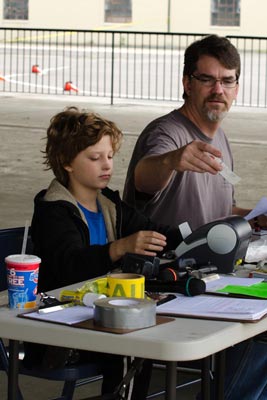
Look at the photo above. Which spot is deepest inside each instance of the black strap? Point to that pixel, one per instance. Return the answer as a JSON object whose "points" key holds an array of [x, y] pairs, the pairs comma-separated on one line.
{"points": [[119, 394]]}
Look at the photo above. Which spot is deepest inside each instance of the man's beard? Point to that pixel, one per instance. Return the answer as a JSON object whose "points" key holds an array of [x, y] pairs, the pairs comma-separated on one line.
{"points": [[215, 115]]}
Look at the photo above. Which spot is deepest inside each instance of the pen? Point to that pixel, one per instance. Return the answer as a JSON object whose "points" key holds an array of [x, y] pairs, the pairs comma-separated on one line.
{"points": [[55, 308]]}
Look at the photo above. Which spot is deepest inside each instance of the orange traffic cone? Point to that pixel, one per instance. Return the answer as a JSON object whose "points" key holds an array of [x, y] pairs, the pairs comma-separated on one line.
{"points": [[69, 86], [36, 69], [2, 78]]}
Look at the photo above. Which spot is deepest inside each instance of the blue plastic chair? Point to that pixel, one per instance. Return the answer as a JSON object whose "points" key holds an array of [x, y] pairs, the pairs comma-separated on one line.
{"points": [[73, 376]]}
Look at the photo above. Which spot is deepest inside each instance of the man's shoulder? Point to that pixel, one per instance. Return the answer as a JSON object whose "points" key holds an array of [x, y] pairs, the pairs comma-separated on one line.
{"points": [[169, 117], [166, 122]]}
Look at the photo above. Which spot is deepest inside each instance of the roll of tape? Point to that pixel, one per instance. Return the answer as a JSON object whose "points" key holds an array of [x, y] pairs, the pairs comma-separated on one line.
{"points": [[125, 313], [126, 285]]}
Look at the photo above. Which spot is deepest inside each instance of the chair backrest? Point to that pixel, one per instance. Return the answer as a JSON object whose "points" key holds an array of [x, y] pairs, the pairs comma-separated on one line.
{"points": [[11, 240]]}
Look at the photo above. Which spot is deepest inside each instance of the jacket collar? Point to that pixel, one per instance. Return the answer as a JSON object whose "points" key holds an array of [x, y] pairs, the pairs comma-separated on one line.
{"points": [[57, 192]]}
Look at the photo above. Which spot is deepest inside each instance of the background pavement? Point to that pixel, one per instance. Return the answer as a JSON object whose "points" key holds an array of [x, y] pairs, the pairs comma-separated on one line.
{"points": [[23, 123]]}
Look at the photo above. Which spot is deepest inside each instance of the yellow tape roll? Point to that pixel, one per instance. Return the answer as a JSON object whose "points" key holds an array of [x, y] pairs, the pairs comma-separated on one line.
{"points": [[126, 285]]}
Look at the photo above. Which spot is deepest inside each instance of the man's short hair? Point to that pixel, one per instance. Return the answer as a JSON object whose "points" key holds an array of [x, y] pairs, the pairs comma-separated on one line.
{"points": [[214, 46]]}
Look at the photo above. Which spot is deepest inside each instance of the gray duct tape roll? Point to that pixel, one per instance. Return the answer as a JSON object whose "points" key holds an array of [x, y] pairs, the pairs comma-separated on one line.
{"points": [[125, 313]]}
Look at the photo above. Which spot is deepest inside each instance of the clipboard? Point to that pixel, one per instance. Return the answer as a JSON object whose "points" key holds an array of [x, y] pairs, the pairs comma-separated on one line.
{"points": [[82, 317], [215, 308]]}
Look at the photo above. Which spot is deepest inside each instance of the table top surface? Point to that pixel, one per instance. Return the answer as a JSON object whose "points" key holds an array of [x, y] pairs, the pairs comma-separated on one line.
{"points": [[182, 339]]}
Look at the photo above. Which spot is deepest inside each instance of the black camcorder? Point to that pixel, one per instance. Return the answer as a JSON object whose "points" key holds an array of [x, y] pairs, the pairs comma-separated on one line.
{"points": [[143, 265]]}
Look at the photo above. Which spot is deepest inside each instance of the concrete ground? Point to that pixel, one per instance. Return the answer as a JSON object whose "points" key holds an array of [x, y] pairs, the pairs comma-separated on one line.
{"points": [[23, 121]]}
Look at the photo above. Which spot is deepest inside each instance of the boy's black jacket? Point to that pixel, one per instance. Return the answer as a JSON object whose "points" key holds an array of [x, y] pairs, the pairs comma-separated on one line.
{"points": [[61, 237]]}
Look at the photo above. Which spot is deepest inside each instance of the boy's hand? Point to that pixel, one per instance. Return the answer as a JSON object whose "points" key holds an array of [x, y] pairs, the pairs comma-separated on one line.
{"points": [[147, 243]]}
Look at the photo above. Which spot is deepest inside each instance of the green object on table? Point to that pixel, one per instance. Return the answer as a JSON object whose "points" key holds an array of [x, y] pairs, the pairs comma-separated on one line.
{"points": [[256, 290]]}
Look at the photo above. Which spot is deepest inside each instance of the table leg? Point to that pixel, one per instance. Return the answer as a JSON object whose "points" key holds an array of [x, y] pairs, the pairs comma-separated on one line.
{"points": [[205, 378], [219, 375], [171, 374], [13, 370]]}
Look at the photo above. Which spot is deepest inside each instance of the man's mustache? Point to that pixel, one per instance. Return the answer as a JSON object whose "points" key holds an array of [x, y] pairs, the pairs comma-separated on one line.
{"points": [[215, 98]]}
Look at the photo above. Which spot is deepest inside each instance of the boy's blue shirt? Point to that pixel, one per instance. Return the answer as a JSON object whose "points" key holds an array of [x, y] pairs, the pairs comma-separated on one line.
{"points": [[96, 224]]}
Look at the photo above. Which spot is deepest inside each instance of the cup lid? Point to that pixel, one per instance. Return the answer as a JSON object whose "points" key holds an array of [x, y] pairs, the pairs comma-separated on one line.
{"points": [[23, 259]]}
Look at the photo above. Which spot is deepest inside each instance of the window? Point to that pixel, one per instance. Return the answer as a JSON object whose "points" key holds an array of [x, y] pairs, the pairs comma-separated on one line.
{"points": [[16, 9], [225, 12], [118, 10]]}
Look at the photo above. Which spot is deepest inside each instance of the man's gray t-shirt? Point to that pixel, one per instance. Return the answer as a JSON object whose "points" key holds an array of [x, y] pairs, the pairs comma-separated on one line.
{"points": [[197, 198]]}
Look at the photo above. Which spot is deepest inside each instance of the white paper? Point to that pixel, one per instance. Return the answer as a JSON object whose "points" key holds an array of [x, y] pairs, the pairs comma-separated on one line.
{"points": [[227, 173], [215, 307], [259, 209], [69, 315]]}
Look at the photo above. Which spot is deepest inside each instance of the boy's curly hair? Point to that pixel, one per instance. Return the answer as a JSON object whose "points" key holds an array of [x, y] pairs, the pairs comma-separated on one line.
{"points": [[70, 132]]}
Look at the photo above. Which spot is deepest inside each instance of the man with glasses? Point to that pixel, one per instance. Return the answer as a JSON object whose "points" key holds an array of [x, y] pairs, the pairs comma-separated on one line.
{"points": [[174, 177], [173, 174]]}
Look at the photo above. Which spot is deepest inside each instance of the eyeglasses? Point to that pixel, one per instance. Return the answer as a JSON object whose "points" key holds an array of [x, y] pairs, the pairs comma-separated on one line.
{"points": [[210, 81]]}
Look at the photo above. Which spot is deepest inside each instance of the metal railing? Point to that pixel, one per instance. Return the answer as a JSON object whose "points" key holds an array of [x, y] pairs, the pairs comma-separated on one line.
{"points": [[116, 64]]}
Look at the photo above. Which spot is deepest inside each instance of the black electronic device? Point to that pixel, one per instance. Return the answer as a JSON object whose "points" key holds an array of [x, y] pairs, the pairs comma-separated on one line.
{"points": [[221, 243], [138, 264]]}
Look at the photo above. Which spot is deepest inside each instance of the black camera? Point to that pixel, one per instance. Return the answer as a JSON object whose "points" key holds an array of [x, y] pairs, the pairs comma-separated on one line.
{"points": [[143, 265]]}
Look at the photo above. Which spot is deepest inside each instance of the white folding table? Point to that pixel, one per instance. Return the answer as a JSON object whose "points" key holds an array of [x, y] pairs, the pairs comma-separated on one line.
{"points": [[183, 339]]}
